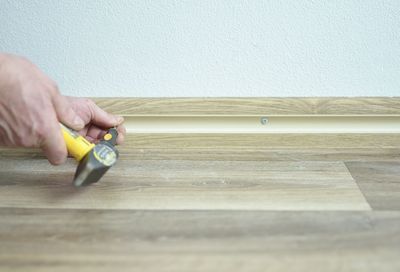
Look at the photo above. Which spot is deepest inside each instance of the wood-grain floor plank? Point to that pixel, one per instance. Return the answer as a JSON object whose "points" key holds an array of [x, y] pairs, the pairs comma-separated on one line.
{"points": [[169, 206], [379, 182], [103, 240], [186, 185], [236, 154], [253, 141]]}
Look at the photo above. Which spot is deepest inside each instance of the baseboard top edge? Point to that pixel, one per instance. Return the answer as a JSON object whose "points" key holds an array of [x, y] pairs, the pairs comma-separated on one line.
{"points": [[274, 106]]}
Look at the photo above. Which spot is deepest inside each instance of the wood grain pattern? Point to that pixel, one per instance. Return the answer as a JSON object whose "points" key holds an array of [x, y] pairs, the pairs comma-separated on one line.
{"points": [[252, 106], [254, 147], [186, 202], [237, 154], [251, 141], [379, 181], [185, 185], [104, 240], [258, 141], [258, 147]]}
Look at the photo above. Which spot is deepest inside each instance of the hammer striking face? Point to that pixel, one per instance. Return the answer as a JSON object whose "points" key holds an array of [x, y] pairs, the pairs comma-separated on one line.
{"points": [[95, 164]]}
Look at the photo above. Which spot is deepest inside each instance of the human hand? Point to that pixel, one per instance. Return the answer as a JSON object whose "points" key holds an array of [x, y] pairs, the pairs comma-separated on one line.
{"points": [[31, 108], [96, 120]]}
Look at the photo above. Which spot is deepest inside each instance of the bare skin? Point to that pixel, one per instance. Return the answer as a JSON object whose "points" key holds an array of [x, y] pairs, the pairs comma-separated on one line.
{"points": [[31, 108]]}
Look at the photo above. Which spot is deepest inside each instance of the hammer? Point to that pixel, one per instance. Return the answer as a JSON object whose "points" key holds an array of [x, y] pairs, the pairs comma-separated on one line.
{"points": [[94, 160]]}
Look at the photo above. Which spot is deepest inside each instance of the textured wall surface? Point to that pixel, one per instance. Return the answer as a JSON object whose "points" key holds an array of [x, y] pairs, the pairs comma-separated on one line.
{"points": [[209, 47]]}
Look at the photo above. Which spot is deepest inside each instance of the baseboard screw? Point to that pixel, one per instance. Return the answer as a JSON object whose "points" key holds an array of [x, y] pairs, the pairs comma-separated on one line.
{"points": [[264, 120]]}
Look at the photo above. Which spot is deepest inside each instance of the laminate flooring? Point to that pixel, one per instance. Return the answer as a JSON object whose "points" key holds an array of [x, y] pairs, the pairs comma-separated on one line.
{"points": [[209, 203]]}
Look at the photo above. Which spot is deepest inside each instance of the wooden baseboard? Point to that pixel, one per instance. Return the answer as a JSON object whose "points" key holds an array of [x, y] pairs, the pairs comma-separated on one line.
{"points": [[257, 115], [252, 106]]}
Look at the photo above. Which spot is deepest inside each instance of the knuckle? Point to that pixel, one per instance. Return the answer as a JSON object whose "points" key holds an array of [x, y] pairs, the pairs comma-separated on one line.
{"points": [[91, 106], [88, 101], [53, 91], [41, 133], [53, 85], [49, 89]]}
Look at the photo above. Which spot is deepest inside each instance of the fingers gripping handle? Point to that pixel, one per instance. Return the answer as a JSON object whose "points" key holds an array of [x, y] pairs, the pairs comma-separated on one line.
{"points": [[77, 145]]}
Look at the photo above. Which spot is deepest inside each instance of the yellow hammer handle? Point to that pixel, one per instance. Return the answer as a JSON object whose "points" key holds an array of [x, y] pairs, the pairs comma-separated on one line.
{"points": [[77, 145]]}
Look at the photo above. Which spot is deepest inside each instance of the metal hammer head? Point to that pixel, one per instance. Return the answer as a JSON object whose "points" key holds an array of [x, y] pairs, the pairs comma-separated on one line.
{"points": [[96, 163]]}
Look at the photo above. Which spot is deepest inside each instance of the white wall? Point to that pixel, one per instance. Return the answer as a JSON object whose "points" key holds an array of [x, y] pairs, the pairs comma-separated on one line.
{"points": [[209, 48]]}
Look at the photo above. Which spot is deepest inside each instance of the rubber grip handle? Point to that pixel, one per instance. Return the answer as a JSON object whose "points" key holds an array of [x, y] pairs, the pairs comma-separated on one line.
{"points": [[77, 145]]}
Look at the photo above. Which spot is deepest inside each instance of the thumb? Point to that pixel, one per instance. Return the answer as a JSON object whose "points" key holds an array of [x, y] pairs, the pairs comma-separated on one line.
{"points": [[66, 114]]}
